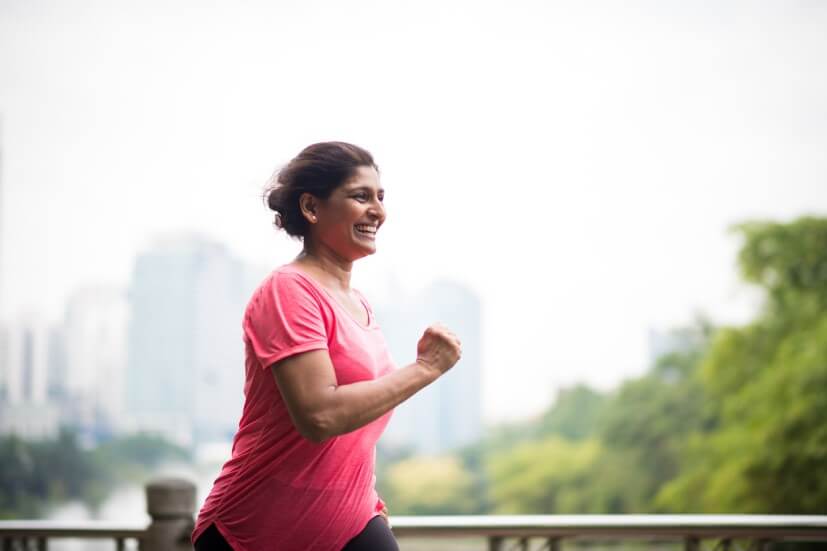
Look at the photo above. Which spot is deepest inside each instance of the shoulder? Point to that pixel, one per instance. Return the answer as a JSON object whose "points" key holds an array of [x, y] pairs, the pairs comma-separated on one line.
{"points": [[284, 288], [291, 283], [290, 277]]}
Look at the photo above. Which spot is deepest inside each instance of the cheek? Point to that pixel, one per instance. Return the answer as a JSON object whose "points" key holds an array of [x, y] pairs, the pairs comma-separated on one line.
{"points": [[356, 209]]}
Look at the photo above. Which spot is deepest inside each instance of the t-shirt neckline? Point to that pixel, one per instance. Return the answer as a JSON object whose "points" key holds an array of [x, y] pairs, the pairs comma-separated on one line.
{"points": [[333, 299]]}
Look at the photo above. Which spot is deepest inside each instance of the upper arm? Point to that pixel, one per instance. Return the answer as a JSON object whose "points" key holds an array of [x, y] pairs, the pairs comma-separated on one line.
{"points": [[284, 318], [306, 382]]}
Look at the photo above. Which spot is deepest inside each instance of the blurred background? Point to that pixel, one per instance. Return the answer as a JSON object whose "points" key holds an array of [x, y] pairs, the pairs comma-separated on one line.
{"points": [[621, 208]]}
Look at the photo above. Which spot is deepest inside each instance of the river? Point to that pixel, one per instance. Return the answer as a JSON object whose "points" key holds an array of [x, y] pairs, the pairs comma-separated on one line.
{"points": [[127, 504]]}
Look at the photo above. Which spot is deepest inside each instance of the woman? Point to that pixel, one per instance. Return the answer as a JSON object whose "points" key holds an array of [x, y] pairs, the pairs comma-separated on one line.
{"points": [[319, 382]]}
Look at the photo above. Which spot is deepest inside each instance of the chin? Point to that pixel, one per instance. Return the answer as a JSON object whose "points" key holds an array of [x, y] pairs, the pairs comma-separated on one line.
{"points": [[361, 250]]}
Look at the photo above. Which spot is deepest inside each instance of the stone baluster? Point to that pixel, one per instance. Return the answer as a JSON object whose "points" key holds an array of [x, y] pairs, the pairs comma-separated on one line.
{"points": [[170, 503]]}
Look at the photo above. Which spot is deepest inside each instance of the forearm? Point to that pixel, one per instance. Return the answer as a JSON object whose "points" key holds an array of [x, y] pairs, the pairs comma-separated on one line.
{"points": [[346, 408], [321, 408]]}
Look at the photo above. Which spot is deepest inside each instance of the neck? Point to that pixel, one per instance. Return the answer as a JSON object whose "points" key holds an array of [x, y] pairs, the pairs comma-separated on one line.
{"points": [[326, 264]]}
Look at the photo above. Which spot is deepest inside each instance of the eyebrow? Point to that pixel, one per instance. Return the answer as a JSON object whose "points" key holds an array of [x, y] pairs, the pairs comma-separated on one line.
{"points": [[366, 188]]}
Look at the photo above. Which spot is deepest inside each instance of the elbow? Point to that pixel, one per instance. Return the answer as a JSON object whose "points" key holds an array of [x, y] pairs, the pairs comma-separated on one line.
{"points": [[317, 428], [315, 436]]}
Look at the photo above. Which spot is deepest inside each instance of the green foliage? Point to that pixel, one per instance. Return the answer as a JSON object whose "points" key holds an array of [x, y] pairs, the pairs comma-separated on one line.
{"points": [[732, 420], [767, 381], [789, 261], [547, 476], [429, 486], [146, 451], [648, 420], [574, 414], [38, 474]]}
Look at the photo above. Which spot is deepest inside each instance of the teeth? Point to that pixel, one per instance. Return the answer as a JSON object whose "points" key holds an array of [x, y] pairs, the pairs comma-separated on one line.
{"points": [[368, 229]]}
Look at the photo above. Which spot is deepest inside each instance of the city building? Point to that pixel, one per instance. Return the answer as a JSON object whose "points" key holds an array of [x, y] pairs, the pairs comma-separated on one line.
{"points": [[92, 344], [25, 408], [447, 414], [185, 362]]}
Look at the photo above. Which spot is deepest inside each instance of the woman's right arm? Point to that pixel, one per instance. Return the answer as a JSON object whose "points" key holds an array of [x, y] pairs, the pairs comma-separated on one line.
{"points": [[321, 409]]}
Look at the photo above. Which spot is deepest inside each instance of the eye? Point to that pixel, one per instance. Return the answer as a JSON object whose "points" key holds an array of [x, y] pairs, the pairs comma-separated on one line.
{"points": [[361, 197]]}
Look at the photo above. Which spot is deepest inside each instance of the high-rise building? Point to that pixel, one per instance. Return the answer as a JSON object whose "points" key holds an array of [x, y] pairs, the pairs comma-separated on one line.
{"points": [[2, 232], [24, 367], [447, 414], [94, 348], [5, 336], [185, 366]]}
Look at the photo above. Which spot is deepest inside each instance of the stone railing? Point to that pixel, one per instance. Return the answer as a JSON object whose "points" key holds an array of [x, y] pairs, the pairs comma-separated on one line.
{"points": [[536, 532], [171, 507]]}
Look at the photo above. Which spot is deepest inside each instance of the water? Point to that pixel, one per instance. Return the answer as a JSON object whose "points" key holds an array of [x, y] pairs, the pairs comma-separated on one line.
{"points": [[127, 505]]}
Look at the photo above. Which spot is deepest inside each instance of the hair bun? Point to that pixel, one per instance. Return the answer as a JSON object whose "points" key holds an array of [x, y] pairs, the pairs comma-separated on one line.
{"points": [[318, 169]]}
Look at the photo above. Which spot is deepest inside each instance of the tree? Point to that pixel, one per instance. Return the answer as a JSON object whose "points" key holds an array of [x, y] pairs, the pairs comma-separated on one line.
{"points": [[767, 381], [36, 475], [547, 476], [429, 486], [574, 414]]}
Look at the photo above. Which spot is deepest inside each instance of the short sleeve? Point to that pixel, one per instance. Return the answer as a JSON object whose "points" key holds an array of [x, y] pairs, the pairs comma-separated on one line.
{"points": [[284, 318]]}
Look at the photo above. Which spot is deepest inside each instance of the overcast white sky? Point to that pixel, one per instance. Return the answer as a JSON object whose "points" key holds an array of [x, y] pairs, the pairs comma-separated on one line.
{"points": [[577, 164]]}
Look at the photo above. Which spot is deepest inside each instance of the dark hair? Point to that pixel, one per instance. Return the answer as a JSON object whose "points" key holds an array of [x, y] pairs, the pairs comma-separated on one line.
{"points": [[318, 169]]}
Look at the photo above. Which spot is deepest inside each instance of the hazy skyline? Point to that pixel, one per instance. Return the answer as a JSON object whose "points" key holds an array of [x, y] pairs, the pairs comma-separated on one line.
{"points": [[576, 165]]}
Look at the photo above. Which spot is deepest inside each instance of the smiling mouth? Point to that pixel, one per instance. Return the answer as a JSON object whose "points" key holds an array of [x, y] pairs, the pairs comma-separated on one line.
{"points": [[366, 230]]}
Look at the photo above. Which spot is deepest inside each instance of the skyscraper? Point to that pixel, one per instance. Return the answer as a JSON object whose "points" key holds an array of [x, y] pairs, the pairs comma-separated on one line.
{"points": [[185, 364], [447, 414], [2, 233], [25, 409], [94, 348]]}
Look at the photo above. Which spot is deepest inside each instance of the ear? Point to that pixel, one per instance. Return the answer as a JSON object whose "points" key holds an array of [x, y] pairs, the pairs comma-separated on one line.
{"points": [[308, 204]]}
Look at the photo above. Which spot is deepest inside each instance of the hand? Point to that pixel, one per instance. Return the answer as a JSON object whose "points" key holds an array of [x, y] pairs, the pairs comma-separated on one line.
{"points": [[438, 349]]}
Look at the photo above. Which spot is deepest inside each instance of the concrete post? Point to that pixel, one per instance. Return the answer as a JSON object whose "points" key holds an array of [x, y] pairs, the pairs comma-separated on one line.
{"points": [[170, 503]]}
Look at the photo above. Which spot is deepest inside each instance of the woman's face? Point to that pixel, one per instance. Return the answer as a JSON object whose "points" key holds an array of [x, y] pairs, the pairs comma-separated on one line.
{"points": [[347, 221]]}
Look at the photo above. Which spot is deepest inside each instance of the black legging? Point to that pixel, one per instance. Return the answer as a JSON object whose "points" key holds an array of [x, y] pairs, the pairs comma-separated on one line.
{"points": [[212, 540], [376, 536]]}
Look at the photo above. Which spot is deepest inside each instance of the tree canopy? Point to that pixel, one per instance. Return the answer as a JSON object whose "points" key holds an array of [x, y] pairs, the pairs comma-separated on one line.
{"points": [[731, 420]]}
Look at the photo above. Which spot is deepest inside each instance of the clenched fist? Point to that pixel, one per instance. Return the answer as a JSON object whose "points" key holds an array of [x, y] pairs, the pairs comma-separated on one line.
{"points": [[438, 349]]}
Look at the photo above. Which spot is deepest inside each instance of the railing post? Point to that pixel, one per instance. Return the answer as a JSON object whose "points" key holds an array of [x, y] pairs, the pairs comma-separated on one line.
{"points": [[170, 503], [691, 543], [495, 543]]}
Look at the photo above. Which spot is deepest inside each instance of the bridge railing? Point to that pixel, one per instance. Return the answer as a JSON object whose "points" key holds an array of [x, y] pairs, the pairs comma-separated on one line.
{"points": [[171, 507], [536, 532]]}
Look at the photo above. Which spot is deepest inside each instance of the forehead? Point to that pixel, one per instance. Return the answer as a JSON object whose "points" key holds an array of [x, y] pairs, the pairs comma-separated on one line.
{"points": [[365, 176]]}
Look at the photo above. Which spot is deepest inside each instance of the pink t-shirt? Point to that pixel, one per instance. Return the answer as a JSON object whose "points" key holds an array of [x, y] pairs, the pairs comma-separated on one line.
{"points": [[279, 490]]}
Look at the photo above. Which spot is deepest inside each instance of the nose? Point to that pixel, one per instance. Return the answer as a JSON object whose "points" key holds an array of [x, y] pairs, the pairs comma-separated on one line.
{"points": [[377, 210]]}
